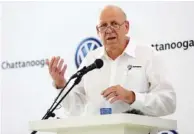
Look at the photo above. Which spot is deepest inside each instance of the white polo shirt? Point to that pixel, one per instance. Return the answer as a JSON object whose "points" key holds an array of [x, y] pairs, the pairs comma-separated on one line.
{"points": [[138, 69]]}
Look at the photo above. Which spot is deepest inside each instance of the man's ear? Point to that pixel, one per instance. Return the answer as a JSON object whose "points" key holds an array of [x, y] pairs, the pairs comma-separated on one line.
{"points": [[127, 26], [97, 30]]}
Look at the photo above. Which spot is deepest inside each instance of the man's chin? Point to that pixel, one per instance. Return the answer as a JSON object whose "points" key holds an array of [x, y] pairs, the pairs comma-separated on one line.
{"points": [[111, 46], [111, 42]]}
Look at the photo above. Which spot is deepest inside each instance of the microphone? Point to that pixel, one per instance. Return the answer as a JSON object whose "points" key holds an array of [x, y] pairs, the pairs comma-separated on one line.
{"points": [[98, 63]]}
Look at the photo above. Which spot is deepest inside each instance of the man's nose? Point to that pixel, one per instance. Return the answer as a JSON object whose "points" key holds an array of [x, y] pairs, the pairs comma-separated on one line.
{"points": [[109, 29]]}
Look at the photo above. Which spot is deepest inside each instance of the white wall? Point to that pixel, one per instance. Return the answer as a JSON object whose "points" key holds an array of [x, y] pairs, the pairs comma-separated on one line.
{"points": [[36, 31], [0, 71]]}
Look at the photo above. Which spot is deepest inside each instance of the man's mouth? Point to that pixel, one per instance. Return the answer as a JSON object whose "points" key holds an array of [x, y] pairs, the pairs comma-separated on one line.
{"points": [[111, 38]]}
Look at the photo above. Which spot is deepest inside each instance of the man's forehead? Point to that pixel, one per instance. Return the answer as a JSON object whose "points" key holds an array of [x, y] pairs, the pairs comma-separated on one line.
{"points": [[110, 14], [109, 20]]}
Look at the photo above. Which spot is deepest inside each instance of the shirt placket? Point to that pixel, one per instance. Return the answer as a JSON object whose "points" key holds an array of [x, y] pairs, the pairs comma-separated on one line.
{"points": [[113, 73]]}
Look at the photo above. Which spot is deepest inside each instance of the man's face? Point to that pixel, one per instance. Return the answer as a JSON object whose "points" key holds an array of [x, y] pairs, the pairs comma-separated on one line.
{"points": [[112, 28]]}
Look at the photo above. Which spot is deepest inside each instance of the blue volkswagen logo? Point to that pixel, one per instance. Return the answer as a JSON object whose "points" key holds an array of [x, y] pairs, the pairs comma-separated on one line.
{"points": [[168, 132], [84, 47]]}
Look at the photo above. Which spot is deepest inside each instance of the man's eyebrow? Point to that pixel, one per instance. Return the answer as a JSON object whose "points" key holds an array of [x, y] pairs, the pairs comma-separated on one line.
{"points": [[101, 23]]}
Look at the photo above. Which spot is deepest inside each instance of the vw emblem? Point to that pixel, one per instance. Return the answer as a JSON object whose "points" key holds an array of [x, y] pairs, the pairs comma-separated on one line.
{"points": [[84, 47], [168, 132]]}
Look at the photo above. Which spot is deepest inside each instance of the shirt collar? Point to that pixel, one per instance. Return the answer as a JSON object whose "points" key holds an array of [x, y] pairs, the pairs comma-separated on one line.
{"points": [[129, 50]]}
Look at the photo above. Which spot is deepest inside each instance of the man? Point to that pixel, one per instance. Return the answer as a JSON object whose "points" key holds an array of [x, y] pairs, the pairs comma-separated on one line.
{"points": [[132, 77]]}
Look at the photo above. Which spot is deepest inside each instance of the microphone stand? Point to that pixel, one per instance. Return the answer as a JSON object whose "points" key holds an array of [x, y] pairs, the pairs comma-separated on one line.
{"points": [[80, 72], [51, 110]]}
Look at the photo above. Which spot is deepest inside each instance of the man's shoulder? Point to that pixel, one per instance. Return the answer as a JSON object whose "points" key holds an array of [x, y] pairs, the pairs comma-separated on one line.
{"points": [[92, 55], [95, 53], [145, 51]]}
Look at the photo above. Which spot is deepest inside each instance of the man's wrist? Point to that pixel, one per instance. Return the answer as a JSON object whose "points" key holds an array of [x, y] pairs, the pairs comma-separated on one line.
{"points": [[131, 97], [58, 86]]}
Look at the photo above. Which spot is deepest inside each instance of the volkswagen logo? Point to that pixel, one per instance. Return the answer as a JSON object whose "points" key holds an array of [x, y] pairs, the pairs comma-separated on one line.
{"points": [[84, 47], [168, 132]]}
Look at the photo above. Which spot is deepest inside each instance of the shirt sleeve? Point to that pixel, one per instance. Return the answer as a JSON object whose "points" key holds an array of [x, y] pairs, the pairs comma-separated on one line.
{"points": [[74, 103], [160, 100]]}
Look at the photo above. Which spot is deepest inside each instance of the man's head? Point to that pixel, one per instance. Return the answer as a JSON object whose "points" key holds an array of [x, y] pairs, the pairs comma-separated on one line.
{"points": [[112, 27]]}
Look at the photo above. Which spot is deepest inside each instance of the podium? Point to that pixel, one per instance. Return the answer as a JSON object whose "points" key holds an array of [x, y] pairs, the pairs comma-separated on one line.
{"points": [[105, 124]]}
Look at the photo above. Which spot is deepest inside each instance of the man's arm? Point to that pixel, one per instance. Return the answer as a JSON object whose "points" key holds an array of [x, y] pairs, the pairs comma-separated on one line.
{"points": [[161, 98], [75, 101]]}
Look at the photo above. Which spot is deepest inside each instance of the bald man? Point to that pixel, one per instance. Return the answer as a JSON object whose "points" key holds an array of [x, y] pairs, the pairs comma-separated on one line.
{"points": [[132, 77]]}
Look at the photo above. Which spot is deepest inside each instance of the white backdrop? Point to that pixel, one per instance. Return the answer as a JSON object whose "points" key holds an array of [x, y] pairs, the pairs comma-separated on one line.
{"points": [[34, 31], [0, 71]]}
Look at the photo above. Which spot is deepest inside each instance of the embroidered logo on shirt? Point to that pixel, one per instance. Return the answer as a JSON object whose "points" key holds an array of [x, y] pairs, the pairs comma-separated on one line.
{"points": [[129, 67]]}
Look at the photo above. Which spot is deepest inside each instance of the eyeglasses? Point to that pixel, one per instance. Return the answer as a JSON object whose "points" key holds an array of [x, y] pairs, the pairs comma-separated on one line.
{"points": [[115, 25]]}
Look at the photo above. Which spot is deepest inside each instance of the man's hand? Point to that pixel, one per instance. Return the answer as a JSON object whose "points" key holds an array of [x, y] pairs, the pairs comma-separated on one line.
{"points": [[57, 71], [119, 93]]}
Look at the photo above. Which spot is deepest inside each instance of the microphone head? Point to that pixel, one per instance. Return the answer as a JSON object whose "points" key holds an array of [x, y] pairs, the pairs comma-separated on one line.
{"points": [[99, 63]]}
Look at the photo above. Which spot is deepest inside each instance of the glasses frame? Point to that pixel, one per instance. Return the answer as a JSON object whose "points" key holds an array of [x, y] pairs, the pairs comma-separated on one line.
{"points": [[119, 25]]}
